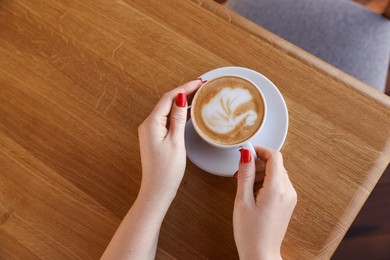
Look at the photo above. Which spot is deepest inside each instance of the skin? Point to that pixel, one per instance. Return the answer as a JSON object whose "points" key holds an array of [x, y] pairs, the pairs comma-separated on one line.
{"points": [[163, 158], [264, 203], [259, 222]]}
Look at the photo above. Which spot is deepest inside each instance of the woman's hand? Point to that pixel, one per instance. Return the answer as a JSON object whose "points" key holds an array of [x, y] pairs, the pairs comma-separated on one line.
{"points": [[161, 138], [163, 156], [261, 217]]}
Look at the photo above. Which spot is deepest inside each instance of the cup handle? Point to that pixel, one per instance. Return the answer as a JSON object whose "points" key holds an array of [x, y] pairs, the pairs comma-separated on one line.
{"points": [[249, 146]]}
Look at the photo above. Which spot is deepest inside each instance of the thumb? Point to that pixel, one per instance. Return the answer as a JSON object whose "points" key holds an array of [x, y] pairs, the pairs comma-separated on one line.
{"points": [[178, 117], [246, 177]]}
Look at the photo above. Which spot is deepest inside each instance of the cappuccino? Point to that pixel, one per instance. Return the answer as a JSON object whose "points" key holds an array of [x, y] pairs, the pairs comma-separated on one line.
{"points": [[228, 110]]}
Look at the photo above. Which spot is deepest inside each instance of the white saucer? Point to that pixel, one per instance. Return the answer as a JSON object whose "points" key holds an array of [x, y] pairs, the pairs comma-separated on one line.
{"points": [[224, 162]]}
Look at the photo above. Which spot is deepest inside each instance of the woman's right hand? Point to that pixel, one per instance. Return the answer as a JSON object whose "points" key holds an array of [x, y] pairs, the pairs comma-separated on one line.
{"points": [[261, 217]]}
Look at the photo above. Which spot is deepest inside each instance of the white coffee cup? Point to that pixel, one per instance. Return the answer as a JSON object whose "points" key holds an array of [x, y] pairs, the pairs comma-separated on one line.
{"points": [[247, 142]]}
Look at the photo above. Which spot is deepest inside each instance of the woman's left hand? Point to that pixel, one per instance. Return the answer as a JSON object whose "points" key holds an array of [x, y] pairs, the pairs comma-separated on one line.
{"points": [[161, 138], [163, 158]]}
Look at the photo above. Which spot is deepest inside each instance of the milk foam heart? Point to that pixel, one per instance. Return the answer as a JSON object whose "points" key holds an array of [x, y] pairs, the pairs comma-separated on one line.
{"points": [[228, 110], [220, 113]]}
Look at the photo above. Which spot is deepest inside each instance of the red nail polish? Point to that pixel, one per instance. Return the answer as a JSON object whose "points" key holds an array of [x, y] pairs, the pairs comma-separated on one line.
{"points": [[181, 100], [245, 156], [201, 80]]}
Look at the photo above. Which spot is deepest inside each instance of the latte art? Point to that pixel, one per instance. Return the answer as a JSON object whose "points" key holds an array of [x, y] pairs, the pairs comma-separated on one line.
{"points": [[228, 110], [223, 114]]}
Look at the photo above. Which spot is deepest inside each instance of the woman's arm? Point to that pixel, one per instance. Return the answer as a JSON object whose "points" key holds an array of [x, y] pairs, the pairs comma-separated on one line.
{"points": [[137, 235], [163, 158]]}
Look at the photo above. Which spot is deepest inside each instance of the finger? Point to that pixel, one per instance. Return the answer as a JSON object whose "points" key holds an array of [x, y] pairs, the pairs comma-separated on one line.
{"points": [[163, 107], [259, 181], [259, 176], [178, 117], [257, 187], [263, 153], [274, 168], [245, 177], [260, 165]]}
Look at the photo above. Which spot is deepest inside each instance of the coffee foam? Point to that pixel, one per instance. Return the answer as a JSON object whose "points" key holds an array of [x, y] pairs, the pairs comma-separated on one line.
{"points": [[228, 110], [225, 111]]}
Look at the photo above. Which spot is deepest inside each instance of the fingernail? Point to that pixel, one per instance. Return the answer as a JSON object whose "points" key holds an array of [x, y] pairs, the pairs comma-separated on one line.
{"points": [[201, 80], [245, 156], [181, 100]]}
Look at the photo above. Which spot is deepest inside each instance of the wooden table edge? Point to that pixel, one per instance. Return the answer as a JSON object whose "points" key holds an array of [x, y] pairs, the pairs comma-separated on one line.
{"points": [[293, 50], [323, 67], [305, 57]]}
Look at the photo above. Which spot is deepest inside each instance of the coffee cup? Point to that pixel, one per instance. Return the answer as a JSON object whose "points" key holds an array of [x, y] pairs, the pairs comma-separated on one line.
{"points": [[228, 111]]}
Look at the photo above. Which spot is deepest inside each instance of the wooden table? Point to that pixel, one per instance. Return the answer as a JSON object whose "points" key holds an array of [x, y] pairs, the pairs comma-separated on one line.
{"points": [[77, 77]]}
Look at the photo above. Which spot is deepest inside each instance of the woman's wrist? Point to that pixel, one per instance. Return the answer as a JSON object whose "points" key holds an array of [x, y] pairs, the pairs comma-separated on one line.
{"points": [[158, 189], [158, 196], [250, 254], [275, 256]]}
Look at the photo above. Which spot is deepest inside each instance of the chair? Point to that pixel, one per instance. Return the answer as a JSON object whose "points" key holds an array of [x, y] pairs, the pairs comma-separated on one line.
{"points": [[340, 32]]}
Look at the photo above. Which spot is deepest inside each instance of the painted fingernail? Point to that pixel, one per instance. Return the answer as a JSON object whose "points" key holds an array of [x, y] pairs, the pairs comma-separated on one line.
{"points": [[245, 156], [181, 100], [201, 80]]}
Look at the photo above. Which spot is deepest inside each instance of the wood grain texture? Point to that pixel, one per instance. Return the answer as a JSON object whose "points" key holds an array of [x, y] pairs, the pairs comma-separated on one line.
{"points": [[378, 6], [78, 77], [366, 247], [369, 234], [387, 10], [377, 222]]}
